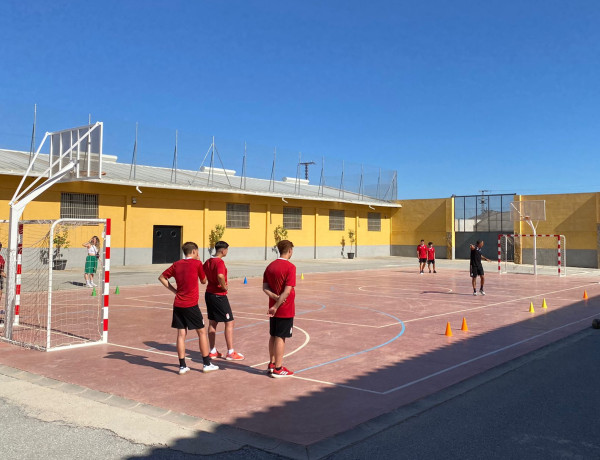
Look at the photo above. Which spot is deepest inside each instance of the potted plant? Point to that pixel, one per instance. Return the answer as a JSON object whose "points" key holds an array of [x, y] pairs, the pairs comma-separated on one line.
{"points": [[343, 243], [352, 239], [280, 233], [61, 241], [215, 235]]}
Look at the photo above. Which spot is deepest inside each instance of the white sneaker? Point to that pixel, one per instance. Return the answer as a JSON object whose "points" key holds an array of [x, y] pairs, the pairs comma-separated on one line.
{"points": [[211, 367], [183, 370], [474, 293], [482, 293], [94, 284], [88, 284]]}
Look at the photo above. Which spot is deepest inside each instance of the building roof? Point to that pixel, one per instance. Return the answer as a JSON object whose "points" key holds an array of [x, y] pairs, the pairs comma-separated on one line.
{"points": [[204, 180]]}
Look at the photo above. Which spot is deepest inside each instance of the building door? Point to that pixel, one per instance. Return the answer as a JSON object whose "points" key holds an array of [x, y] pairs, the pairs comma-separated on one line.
{"points": [[166, 244]]}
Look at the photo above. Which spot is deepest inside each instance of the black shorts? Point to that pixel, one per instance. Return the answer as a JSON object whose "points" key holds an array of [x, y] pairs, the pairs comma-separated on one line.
{"points": [[187, 318], [281, 327], [431, 261], [422, 261], [1, 283], [218, 308], [476, 270]]}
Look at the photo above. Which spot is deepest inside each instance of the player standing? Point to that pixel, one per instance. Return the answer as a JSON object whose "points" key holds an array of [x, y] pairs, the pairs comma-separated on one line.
{"points": [[186, 314], [422, 256], [217, 304], [476, 267], [430, 257], [278, 283]]}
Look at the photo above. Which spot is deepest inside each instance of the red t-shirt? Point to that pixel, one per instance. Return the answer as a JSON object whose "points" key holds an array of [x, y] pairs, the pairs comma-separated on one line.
{"points": [[422, 251], [2, 262], [186, 273], [279, 274], [431, 253], [213, 267]]}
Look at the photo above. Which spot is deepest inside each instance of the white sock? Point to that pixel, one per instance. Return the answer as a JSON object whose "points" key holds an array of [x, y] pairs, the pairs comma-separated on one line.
{"points": [[230, 351], [214, 350]]}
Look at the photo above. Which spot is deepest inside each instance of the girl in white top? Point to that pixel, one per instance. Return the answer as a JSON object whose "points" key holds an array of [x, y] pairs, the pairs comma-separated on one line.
{"points": [[91, 261]]}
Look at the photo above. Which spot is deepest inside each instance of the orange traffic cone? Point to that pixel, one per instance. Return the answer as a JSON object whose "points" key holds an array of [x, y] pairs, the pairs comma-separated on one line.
{"points": [[585, 296], [464, 326], [448, 330]]}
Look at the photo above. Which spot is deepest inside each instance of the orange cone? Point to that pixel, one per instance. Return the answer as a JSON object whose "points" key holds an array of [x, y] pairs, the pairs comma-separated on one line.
{"points": [[585, 296], [464, 326], [448, 330]]}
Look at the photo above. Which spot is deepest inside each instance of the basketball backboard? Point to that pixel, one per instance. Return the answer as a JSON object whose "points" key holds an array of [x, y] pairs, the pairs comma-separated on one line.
{"points": [[82, 146], [532, 210]]}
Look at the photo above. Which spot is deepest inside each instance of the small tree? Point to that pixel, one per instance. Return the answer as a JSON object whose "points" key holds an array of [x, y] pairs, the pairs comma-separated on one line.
{"points": [[215, 235], [352, 239], [343, 243], [280, 233], [61, 240]]}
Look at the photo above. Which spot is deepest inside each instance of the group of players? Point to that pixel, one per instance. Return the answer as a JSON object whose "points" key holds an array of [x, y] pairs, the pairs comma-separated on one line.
{"points": [[426, 255], [279, 281]]}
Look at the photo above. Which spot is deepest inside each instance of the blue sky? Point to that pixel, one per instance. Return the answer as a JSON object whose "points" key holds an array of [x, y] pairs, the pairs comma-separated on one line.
{"points": [[456, 96]]}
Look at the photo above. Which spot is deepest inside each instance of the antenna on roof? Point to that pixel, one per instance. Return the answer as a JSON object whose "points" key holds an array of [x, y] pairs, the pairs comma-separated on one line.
{"points": [[341, 192], [322, 179], [134, 156], [174, 167], [243, 178], [272, 180], [482, 200], [32, 147], [306, 164]]}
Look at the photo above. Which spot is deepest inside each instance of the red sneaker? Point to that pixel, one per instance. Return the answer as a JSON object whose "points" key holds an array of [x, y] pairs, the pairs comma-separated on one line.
{"points": [[270, 368], [235, 356], [215, 355], [283, 372]]}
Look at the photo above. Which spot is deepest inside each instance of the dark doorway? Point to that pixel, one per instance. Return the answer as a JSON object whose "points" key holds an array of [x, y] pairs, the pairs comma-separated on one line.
{"points": [[166, 244]]}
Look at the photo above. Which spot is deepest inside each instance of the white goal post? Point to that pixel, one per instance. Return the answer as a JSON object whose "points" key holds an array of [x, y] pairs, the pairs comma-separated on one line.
{"points": [[518, 248]]}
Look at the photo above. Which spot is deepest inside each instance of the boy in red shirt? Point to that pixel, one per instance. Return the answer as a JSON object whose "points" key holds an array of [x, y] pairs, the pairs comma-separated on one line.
{"points": [[422, 255], [430, 257], [217, 304], [186, 314], [278, 284]]}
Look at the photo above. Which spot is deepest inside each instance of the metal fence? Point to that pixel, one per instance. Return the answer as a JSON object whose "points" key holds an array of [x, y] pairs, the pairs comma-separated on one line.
{"points": [[483, 213]]}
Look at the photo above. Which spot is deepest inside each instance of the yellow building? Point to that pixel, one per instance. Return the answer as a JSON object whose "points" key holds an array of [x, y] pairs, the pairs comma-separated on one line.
{"points": [[153, 213]]}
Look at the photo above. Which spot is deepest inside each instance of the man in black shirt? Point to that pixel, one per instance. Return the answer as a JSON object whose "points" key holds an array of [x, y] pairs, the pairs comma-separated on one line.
{"points": [[476, 267]]}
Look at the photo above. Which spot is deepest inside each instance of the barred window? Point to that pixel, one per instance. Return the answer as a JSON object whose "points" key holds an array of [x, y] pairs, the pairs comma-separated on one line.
{"points": [[337, 219], [78, 206], [238, 215], [292, 218], [374, 221]]}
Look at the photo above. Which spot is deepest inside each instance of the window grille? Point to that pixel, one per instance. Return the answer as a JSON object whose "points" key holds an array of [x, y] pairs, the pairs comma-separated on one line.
{"points": [[337, 219], [238, 215], [374, 221], [78, 206], [292, 218]]}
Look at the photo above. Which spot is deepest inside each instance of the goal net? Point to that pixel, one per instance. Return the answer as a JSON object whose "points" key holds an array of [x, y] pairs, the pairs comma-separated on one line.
{"points": [[516, 254], [54, 306]]}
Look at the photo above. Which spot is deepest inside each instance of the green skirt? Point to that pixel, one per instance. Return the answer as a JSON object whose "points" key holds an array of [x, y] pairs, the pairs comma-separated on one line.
{"points": [[91, 264]]}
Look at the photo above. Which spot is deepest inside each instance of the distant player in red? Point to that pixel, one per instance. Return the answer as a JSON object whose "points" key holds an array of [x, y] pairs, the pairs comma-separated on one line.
{"points": [[278, 283], [422, 255], [186, 314], [217, 304], [430, 257], [2, 275]]}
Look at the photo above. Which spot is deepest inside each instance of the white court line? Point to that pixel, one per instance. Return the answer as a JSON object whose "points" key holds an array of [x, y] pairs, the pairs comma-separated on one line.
{"points": [[142, 349], [306, 340], [361, 288], [337, 385]]}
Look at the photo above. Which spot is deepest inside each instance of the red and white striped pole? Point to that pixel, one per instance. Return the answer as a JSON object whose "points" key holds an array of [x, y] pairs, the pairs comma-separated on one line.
{"points": [[18, 277], [559, 254], [499, 254], [105, 294]]}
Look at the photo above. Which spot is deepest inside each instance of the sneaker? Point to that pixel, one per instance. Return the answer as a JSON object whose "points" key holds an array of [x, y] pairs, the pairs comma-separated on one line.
{"points": [[420, 273], [183, 370], [474, 292], [283, 372], [434, 271], [270, 368], [482, 293], [88, 285], [235, 356], [215, 355], [94, 284], [211, 367]]}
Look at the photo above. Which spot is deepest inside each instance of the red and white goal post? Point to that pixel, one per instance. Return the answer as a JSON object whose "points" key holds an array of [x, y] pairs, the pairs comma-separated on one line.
{"points": [[522, 253]]}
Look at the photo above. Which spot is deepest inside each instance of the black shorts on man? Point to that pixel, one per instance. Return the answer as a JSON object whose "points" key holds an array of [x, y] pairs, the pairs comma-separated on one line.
{"points": [[218, 308], [187, 318], [476, 270], [422, 261], [431, 261], [281, 327]]}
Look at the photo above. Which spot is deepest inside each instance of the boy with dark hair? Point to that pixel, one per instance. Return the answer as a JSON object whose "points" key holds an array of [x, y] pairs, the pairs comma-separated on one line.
{"points": [[476, 267], [278, 284], [422, 256], [186, 314], [430, 257], [217, 304]]}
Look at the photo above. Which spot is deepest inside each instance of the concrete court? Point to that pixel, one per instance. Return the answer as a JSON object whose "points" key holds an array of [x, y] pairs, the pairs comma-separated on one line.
{"points": [[152, 273]]}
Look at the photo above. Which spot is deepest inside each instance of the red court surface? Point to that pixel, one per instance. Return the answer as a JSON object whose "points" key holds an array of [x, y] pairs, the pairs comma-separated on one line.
{"points": [[365, 343]]}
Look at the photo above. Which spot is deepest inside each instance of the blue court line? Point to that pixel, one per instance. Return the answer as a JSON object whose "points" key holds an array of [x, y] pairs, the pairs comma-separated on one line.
{"points": [[362, 351]]}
